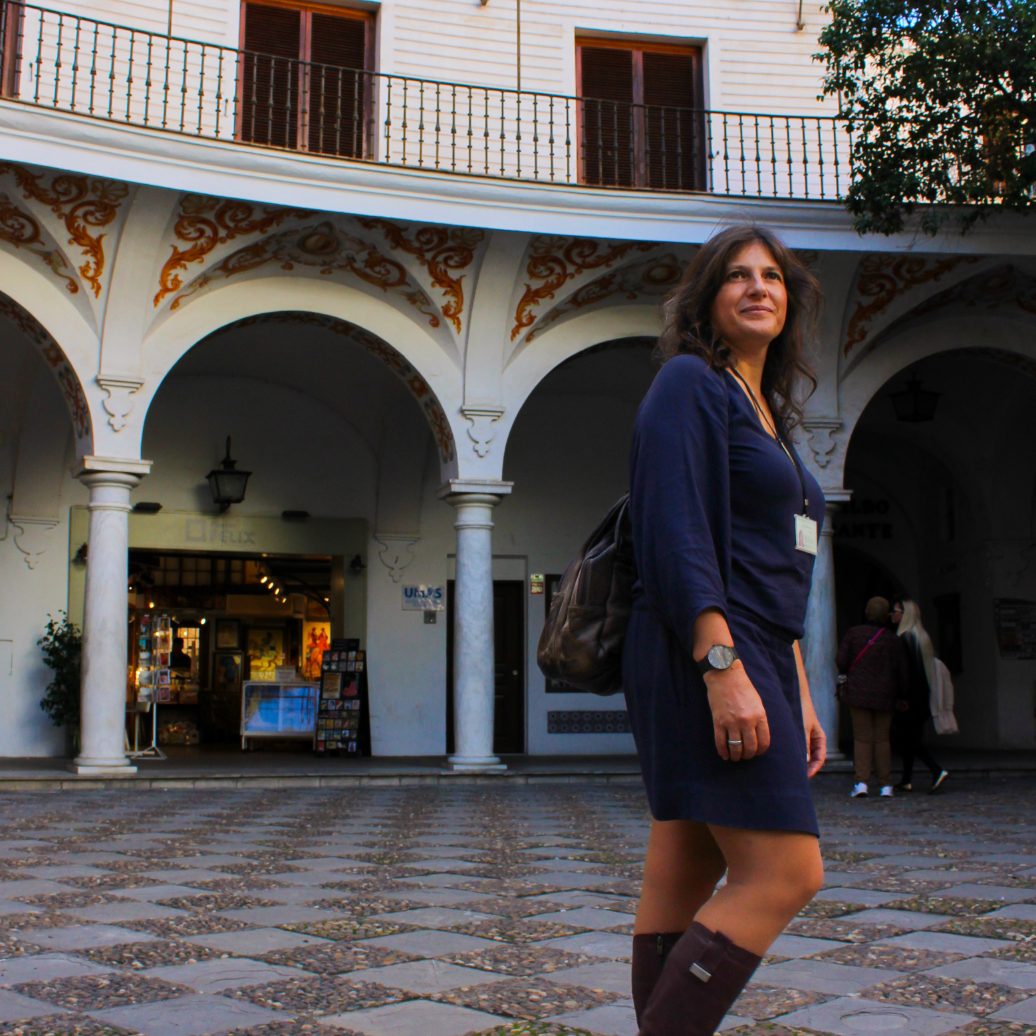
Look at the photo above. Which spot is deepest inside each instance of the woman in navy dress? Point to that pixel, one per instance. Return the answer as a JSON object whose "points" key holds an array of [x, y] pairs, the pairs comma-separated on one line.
{"points": [[725, 527]]}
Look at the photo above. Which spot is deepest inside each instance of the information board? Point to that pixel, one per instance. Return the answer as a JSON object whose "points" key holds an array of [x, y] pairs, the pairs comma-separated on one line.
{"points": [[1015, 627]]}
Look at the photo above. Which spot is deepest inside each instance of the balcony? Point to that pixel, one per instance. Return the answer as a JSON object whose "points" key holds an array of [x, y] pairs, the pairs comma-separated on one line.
{"points": [[118, 74]]}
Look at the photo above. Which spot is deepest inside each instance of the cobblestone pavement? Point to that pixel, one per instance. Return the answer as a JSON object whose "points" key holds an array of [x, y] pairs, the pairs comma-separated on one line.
{"points": [[496, 909]]}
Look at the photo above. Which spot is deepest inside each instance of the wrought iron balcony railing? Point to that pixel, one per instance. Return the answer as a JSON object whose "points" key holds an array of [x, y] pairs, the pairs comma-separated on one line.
{"points": [[69, 63]]}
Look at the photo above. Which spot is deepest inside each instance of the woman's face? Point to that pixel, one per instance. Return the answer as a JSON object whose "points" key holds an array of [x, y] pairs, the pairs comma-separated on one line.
{"points": [[897, 613], [751, 305]]}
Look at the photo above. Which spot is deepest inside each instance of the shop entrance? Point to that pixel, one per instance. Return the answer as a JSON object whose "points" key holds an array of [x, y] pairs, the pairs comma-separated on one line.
{"points": [[203, 624], [509, 666]]}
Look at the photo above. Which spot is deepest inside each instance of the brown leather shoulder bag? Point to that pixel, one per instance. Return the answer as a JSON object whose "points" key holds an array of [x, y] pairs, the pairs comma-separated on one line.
{"points": [[581, 642]]}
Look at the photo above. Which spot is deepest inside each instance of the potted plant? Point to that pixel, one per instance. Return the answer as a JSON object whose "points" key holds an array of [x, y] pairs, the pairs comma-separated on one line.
{"points": [[62, 646]]}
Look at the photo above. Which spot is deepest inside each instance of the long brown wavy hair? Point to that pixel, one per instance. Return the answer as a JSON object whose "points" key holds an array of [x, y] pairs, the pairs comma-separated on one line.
{"points": [[688, 318]]}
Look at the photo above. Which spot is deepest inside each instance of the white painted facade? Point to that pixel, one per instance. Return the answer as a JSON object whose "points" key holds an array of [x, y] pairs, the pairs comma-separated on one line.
{"points": [[409, 355]]}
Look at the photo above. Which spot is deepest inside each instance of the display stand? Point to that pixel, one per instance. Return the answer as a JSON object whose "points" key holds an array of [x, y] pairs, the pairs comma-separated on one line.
{"points": [[154, 647], [151, 751], [281, 709], [343, 712]]}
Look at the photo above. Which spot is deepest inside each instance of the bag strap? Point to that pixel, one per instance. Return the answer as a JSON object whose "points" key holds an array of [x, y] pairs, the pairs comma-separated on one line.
{"points": [[866, 647]]}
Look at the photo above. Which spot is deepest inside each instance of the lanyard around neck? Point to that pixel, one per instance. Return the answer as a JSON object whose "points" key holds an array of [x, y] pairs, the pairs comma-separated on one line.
{"points": [[771, 429]]}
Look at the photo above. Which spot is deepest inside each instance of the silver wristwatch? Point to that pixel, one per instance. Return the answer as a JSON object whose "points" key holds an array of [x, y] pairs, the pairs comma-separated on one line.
{"points": [[717, 658]]}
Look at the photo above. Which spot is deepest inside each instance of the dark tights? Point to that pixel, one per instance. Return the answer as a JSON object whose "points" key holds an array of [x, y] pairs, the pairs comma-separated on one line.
{"points": [[911, 744]]}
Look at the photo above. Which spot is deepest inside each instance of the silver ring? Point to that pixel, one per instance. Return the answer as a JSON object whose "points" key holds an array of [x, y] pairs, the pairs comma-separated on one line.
{"points": [[729, 742]]}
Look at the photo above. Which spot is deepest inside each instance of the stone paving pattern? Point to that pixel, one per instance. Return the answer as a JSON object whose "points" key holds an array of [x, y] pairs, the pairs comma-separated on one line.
{"points": [[497, 909]]}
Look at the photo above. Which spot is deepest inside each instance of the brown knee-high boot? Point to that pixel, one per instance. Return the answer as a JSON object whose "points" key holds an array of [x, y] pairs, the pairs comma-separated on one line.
{"points": [[649, 954], [702, 977]]}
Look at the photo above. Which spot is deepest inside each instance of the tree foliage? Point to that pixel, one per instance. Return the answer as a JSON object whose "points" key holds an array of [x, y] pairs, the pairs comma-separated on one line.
{"points": [[62, 646], [940, 99]]}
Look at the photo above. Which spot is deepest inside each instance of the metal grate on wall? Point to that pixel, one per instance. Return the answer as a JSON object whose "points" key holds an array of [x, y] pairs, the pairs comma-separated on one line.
{"points": [[583, 721]]}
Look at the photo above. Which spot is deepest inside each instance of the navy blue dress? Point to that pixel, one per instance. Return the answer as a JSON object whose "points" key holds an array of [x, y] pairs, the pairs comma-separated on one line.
{"points": [[713, 503]]}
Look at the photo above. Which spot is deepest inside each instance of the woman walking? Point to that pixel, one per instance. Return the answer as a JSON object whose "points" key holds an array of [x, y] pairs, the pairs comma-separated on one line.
{"points": [[913, 720], [725, 527]]}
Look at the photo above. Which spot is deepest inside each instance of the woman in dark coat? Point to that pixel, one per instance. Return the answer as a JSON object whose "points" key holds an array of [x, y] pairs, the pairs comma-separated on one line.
{"points": [[872, 670], [725, 526]]}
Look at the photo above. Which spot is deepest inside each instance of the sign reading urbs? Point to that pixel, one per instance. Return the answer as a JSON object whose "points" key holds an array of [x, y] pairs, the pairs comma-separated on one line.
{"points": [[423, 598]]}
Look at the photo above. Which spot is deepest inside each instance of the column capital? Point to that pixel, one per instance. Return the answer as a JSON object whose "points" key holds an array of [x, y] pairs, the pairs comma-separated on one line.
{"points": [[92, 465], [835, 496], [461, 490]]}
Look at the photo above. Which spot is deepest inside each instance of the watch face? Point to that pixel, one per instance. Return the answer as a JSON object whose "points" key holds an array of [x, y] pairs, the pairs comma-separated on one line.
{"points": [[721, 656]]}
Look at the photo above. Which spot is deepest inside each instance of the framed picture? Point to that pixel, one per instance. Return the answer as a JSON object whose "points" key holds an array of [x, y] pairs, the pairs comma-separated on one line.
{"points": [[316, 639], [330, 685], [265, 650], [228, 634], [226, 671]]}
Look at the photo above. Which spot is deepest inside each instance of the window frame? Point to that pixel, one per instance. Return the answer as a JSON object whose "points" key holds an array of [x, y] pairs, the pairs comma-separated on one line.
{"points": [[637, 48], [306, 11]]}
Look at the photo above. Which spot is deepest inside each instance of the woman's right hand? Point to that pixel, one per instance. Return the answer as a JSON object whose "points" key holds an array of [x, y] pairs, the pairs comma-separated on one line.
{"points": [[737, 714]]}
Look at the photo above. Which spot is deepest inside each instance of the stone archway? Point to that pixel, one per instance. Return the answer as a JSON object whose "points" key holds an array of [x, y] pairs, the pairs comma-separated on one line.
{"points": [[415, 357], [956, 531], [40, 465], [586, 405], [61, 369]]}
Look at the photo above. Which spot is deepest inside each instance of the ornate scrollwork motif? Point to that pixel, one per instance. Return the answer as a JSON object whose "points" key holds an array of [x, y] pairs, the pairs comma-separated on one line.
{"points": [[85, 205], [439, 250], [652, 277], [325, 248], [553, 261], [882, 278], [204, 223], [1001, 287], [20, 228]]}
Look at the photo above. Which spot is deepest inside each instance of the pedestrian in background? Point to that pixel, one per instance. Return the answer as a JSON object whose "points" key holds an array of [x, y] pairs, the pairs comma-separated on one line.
{"points": [[725, 520], [923, 680], [872, 678]]}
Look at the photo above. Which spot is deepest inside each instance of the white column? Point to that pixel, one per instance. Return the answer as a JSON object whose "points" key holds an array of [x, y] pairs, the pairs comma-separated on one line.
{"points": [[473, 669], [820, 643], [103, 701]]}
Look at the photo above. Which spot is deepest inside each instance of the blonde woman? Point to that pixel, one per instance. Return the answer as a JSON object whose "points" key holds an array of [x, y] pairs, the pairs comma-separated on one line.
{"points": [[921, 662]]}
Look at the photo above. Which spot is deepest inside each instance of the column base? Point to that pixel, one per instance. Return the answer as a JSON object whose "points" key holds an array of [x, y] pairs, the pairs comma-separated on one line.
{"points": [[474, 764], [102, 768]]}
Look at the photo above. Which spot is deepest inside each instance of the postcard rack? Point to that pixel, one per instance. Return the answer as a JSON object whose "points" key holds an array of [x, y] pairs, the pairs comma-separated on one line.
{"points": [[343, 714]]}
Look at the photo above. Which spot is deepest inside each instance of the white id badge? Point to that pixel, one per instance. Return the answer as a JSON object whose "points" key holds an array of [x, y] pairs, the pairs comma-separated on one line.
{"points": [[805, 534]]}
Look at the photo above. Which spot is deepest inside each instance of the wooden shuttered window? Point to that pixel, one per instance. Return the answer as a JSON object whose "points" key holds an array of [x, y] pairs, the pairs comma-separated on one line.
{"points": [[641, 118], [305, 79], [339, 88], [270, 70], [606, 84], [11, 17]]}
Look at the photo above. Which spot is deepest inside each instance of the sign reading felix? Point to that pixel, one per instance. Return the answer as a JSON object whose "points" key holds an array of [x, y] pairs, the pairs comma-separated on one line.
{"points": [[424, 598]]}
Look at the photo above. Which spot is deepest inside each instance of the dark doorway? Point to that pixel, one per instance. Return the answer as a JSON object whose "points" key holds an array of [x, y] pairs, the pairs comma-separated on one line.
{"points": [[509, 658]]}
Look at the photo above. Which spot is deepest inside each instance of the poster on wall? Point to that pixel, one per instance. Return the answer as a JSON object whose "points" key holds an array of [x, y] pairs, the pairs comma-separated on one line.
{"points": [[265, 652], [1015, 621], [316, 639]]}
